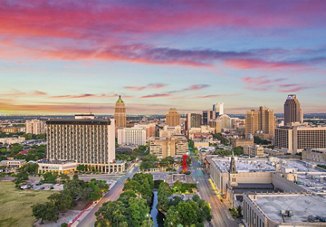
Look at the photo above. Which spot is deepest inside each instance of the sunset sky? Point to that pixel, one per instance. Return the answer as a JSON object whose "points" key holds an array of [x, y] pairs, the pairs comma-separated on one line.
{"points": [[64, 57]]}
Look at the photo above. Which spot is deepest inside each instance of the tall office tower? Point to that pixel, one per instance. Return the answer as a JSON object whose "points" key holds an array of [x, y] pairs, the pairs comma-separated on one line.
{"points": [[292, 110], [206, 117], [251, 122], [266, 121], [120, 114], [35, 126], [193, 120], [220, 108], [260, 122], [173, 117], [87, 141]]}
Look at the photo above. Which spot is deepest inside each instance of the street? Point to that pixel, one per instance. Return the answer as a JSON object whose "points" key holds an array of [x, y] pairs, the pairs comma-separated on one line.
{"points": [[113, 194], [220, 213]]}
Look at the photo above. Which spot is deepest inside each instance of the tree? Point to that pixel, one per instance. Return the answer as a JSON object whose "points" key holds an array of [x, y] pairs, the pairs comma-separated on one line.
{"points": [[46, 212], [112, 213], [63, 201], [238, 150], [188, 212], [49, 177], [138, 211], [164, 192], [29, 168], [172, 217]]}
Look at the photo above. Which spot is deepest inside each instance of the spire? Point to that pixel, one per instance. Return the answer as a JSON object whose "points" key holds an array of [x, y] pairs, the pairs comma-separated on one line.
{"points": [[120, 100], [232, 164]]}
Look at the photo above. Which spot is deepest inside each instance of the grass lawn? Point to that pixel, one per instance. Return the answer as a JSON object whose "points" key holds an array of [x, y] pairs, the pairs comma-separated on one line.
{"points": [[15, 205]]}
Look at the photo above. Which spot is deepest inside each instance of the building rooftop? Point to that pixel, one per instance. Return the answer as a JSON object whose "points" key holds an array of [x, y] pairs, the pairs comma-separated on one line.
{"points": [[301, 206], [244, 165], [78, 122], [315, 183], [300, 166]]}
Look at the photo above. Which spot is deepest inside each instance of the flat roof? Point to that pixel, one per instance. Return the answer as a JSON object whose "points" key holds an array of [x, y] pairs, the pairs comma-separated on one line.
{"points": [[300, 166], [301, 205], [78, 122], [315, 183], [244, 164]]}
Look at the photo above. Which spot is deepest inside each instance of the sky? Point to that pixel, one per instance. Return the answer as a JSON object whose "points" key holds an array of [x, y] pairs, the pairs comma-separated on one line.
{"points": [[65, 57]]}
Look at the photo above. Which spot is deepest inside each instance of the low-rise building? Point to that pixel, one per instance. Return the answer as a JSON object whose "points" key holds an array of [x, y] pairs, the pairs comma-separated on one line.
{"points": [[12, 140], [285, 209], [11, 165], [64, 167], [254, 150], [314, 155], [241, 142], [169, 131], [177, 145]]}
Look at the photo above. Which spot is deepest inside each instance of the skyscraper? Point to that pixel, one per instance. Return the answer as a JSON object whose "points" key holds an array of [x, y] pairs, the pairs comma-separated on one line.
{"points": [[266, 121], [193, 120], [207, 116], [292, 110], [260, 121], [173, 117], [251, 122], [120, 114]]}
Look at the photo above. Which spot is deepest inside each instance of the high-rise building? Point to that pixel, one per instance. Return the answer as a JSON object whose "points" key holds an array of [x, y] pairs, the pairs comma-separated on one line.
{"points": [[297, 138], [251, 122], [120, 114], [266, 121], [132, 136], [207, 116], [292, 110], [193, 121], [35, 127], [173, 117], [90, 142], [218, 109], [261, 122]]}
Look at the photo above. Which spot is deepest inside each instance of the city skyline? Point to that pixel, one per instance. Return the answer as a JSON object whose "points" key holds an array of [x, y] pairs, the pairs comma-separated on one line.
{"points": [[78, 57]]}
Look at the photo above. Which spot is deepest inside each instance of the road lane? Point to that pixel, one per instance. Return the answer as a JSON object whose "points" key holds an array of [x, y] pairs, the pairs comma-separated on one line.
{"points": [[90, 219]]}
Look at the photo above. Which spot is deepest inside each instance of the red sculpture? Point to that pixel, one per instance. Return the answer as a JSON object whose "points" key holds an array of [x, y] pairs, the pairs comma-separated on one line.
{"points": [[184, 163]]}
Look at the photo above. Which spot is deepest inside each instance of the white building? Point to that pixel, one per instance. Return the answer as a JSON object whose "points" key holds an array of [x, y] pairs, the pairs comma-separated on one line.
{"points": [[150, 129], [132, 136], [35, 127], [12, 140], [283, 209]]}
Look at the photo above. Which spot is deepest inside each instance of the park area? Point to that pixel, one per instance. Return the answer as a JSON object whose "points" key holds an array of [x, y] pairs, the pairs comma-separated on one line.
{"points": [[15, 204]]}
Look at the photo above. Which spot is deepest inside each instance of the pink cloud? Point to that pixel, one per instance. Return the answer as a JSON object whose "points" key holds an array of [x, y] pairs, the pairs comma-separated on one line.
{"points": [[258, 63], [85, 95], [158, 95], [263, 83], [149, 86]]}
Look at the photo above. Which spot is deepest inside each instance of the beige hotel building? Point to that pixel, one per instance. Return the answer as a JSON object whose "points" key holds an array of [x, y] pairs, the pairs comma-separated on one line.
{"points": [[84, 140]]}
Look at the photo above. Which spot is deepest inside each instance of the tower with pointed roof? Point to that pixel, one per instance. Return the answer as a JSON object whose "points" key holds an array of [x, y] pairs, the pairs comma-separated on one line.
{"points": [[233, 172], [120, 113]]}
